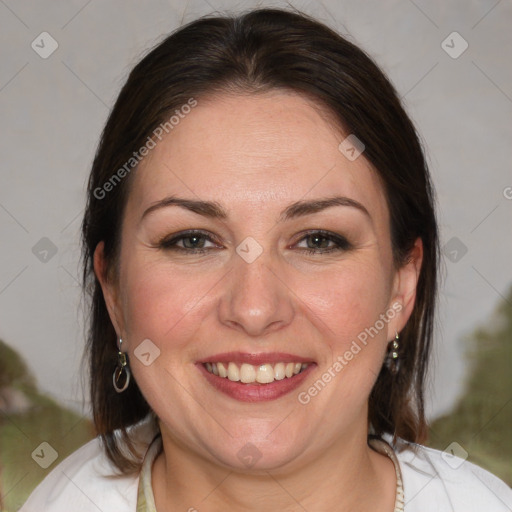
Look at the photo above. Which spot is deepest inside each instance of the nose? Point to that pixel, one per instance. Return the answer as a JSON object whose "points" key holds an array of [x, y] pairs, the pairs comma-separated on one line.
{"points": [[256, 298]]}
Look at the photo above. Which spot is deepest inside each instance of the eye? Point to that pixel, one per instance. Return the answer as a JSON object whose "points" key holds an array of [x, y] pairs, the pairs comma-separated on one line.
{"points": [[318, 242], [191, 241]]}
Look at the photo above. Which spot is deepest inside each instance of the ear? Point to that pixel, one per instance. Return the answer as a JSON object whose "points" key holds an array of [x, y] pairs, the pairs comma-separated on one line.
{"points": [[404, 289], [109, 288]]}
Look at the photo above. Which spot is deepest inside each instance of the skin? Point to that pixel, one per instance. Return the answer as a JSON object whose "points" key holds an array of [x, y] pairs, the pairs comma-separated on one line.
{"points": [[255, 155]]}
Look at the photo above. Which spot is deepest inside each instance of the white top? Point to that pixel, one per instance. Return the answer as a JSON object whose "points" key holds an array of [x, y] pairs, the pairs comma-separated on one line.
{"points": [[433, 481], [146, 499]]}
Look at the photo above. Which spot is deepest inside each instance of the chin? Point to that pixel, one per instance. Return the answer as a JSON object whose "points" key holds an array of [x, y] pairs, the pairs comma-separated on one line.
{"points": [[254, 453]]}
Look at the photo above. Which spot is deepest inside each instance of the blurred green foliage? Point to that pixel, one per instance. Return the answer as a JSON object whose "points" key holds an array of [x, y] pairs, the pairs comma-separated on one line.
{"points": [[22, 432], [481, 421], [13, 369]]}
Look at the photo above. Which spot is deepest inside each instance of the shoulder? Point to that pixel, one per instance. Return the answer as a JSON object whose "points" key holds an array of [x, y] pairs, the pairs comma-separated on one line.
{"points": [[441, 481], [84, 482]]}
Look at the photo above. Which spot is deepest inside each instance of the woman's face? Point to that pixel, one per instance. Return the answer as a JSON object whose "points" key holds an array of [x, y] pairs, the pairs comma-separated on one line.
{"points": [[257, 287]]}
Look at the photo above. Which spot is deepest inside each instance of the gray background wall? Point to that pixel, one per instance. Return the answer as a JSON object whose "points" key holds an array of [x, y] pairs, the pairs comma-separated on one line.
{"points": [[53, 109]]}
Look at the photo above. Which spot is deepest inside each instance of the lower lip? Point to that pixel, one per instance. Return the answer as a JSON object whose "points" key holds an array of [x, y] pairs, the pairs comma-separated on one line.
{"points": [[256, 392]]}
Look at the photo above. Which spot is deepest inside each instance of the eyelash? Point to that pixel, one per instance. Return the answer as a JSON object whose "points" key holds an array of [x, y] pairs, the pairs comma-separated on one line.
{"points": [[170, 243]]}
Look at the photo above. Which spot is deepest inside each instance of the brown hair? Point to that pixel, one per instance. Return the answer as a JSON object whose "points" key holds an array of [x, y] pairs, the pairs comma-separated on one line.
{"points": [[258, 51]]}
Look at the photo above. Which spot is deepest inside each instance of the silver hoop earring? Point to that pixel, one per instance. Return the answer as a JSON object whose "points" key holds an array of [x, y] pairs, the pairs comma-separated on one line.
{"points": [[121, 376], [393, 357]]}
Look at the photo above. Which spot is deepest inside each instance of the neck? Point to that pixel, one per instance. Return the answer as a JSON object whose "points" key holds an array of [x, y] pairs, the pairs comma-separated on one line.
{"points": [[347, 476]]}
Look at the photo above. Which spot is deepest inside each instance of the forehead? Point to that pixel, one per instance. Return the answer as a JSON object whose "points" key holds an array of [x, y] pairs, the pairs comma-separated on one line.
{"points": [[242, 150]]}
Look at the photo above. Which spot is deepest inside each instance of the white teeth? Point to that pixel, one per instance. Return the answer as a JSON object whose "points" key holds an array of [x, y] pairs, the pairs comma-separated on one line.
{"points": [[247, 373], [222, 370], [279, 371], [263, 374], [233, 372]]}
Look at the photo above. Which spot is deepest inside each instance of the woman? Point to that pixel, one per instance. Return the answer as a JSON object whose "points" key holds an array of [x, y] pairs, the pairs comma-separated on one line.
{"points": [[261, 248]]}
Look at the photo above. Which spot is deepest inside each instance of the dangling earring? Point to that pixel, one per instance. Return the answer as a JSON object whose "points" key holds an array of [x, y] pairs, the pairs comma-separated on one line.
{"points": [[393, 359], [121, 376]]}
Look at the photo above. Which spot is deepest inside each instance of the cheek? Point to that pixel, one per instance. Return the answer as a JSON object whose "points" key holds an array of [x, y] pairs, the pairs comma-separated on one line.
{"points": [[162, 304], [349, 304], [348, 300]]}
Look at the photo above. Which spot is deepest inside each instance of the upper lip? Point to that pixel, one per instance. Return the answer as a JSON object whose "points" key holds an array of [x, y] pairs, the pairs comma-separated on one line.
{"points": [[255, 358]]}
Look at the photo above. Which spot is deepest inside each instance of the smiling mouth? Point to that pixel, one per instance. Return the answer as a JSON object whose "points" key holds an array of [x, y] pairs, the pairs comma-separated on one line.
{"points": [[255, 374]]}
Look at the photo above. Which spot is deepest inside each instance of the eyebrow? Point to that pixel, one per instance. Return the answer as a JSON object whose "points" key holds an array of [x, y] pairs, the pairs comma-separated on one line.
{"points": [[214, 210]]}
